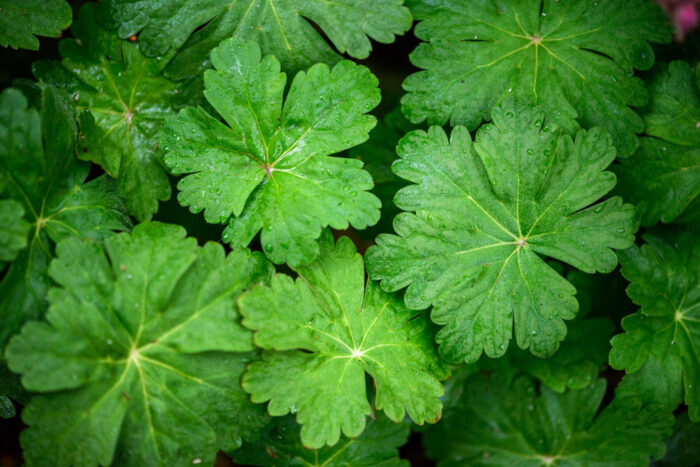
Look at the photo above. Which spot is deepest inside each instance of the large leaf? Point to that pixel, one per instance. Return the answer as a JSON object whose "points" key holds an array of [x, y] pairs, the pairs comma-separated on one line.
{"points": [[270, 167], [663, 177], [141, 353], [127, 100], [46, 182], [504, 422], [323, 332], [481, 217], [281, 27], [660, 349], [576, 58], [22, 20], [377, 446]]}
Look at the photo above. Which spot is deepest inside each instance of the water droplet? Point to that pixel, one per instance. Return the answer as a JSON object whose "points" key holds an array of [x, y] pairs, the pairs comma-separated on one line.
{"points": [[509, 114], [530, 151]]}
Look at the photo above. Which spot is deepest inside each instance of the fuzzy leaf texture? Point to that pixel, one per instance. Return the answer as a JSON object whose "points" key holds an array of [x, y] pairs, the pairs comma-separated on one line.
{"points": [[141, 353], [576, 58], [45, 200], [126, 101], [663, 177], [507, 422], [483, 218], [323, 332], [377, 446], [281, 27], [660, 348], [270, 166], [21, 21]]}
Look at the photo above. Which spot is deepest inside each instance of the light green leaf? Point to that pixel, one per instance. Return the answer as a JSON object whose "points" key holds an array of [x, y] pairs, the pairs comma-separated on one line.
{"points": [[660, 348], [377, 446], [504, 422], [37, 162], [14, 230], [22, 20], [663, 177], [270, 166], [283, 28], [127, 100], [323, 333], [141, 354], [481, 216], [576, 58]]}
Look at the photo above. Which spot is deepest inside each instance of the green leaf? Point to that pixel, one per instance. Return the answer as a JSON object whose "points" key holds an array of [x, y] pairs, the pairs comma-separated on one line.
{"points": [[10, 389], [270, 167], [504, 422], [660, 348], [13, 230], [38, 164], [282, 28], [378, 153], [576, 58], [683, 448], [663, 177], [377, 446], [481, 216], [141, 353], [21, 21], [127, 100], [323, 332]]}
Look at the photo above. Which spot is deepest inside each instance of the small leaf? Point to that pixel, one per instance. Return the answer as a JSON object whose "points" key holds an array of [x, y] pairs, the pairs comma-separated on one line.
{"points": [[269, 167], [575, 58], [482, 218], [141, 353], [22, 21], [323, 332], [660, 348], [500, 421]]}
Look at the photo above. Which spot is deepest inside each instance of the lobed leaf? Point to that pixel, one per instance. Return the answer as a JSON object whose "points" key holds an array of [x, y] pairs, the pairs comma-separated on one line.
{"points": [[140, 356], [481, 218], [574, 58], [22, 21], [269, 167]]}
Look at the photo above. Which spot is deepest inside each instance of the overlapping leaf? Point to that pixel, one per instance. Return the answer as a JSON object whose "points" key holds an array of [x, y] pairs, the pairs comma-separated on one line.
{"points": [[663, 177], [683, 448], [323, 332], [270, 167], [660, 348], [481, 217], [576, 58], [283, 28], [127, 100], [377, 446], [504, 422], [22, 20], [46, 182], [140, 357]]}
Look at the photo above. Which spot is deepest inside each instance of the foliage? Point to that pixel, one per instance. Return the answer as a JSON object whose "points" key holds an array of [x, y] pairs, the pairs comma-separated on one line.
{"points": [[347, 259]]}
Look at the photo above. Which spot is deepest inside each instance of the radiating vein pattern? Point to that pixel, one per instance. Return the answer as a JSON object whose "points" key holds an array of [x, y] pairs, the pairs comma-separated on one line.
{"points": [[137, 344], [576, 58], [482, 217], [323, 332]]}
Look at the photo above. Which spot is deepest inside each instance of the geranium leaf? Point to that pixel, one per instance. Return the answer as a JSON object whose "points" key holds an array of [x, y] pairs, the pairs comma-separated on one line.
{"points": [[43, 177], [141, 353], [481, 216], [576, 58], [663, 177], [270, 166], [21, 21], [660, 348], [500, 421], [323, 332], [280, 27], [127, 100]]}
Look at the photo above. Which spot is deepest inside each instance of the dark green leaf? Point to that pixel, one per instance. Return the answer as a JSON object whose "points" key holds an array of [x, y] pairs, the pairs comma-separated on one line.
{"points": [[683, 448]]}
